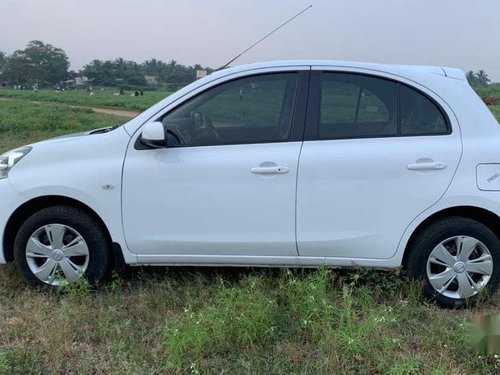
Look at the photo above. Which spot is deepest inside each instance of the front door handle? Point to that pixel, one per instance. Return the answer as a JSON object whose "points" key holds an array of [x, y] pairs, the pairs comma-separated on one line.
{"points": [[426, 166], [270, 170]]}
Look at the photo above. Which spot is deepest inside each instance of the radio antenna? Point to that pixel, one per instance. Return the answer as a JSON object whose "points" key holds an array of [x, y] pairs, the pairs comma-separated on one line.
{"points": [[265, 36]]}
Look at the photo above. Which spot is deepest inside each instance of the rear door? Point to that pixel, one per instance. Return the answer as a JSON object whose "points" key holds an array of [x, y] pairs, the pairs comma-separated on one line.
{"points": [[376, 154]]}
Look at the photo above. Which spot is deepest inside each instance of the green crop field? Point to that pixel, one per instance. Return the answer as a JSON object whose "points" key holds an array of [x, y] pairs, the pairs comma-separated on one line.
{"points": [[218, 320], [23, 122], [105, 98]]}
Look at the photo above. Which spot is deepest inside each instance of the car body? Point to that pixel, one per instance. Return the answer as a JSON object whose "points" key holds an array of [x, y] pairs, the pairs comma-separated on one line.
{"points": [[291, 163]]}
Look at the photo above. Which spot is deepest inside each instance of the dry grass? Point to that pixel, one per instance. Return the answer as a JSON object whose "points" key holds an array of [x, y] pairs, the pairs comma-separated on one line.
{"points": [[207, 320]]}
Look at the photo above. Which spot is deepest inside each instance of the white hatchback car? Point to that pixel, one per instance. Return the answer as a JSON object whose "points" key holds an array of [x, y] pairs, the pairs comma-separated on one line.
{"points": [[294, 163]]}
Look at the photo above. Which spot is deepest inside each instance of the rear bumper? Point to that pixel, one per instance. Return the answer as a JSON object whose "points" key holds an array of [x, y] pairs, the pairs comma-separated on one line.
{"points": [[10, 200]]}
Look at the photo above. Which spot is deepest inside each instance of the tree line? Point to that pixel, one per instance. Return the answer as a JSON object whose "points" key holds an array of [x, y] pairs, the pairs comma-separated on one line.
{"points": [[48, 66]]}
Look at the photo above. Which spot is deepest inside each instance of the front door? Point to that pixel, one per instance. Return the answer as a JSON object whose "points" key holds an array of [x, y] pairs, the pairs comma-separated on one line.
{"points": [[225, 185]]}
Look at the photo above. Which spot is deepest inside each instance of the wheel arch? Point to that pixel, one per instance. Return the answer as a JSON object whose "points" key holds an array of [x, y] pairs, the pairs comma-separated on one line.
{"points": [[481, 215], [28, 208]]}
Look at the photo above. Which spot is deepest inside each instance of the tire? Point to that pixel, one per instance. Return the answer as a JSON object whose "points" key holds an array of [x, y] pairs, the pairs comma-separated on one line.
{"points": [[456, 279], [59, 244]]}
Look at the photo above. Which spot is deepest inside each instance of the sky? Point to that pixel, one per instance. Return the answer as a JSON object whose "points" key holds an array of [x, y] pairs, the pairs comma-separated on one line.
{"points": [[458, 33]]}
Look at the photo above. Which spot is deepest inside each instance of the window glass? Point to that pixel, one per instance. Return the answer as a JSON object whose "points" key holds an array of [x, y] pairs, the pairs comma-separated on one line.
{"points": [[250, 110], [338, 102], [372, 108], [419, 115], [357, 106]]}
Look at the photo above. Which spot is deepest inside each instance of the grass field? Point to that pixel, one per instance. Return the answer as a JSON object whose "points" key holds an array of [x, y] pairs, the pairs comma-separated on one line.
{"points": [[222, 321], [106, 98], [22, 121], [242, 321]]}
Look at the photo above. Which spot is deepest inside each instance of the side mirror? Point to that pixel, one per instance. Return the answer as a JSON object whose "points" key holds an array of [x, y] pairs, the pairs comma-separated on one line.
{"points": [[153, 135]]}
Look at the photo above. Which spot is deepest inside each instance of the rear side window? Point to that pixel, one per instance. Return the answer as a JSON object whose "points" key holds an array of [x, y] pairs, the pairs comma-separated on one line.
{"points": [[419, 115], [357, 106]]}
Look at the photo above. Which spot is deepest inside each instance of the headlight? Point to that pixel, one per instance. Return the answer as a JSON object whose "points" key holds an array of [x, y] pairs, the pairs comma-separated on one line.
{"points": [[9, 159]]}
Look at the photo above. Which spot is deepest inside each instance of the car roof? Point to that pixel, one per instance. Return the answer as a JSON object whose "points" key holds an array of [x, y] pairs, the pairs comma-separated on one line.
{"points": [[387, 68]]}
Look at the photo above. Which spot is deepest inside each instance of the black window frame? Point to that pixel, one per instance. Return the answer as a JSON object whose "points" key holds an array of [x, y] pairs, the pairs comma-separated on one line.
{"points": [[313, 116], [297, 118]]}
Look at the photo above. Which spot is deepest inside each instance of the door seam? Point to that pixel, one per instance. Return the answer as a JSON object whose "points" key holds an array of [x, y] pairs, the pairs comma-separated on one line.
{"points": [[298, 159]]}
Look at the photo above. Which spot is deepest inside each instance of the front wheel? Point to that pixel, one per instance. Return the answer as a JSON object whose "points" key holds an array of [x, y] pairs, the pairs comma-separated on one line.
{"points": [[458, 258], [58, 245]]}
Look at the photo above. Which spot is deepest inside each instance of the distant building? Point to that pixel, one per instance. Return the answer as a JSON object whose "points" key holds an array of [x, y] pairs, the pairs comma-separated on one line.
{"points": [[151, 80], [74, 82], [80, 81], [200, 73]]}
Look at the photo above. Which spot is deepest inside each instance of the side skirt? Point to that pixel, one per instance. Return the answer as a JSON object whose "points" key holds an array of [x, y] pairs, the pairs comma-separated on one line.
{"points": [[264, 261]]}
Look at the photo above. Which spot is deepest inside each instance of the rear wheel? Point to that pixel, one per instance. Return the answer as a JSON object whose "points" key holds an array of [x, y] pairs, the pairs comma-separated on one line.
{"points": [[458, 258], [60, 244]]}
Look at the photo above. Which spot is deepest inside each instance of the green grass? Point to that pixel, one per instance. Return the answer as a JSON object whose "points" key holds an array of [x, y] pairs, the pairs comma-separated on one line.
{"points": [[185, 320], [493, 89], [104, 98], [495, 109], [23, 122]]}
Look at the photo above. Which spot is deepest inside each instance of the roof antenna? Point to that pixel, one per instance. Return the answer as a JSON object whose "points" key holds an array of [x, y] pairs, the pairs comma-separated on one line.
{"points": [[265, 36]]}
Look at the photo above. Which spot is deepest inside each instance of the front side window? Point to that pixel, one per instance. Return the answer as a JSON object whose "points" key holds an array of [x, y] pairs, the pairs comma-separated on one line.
{"points": [[255, 109]]}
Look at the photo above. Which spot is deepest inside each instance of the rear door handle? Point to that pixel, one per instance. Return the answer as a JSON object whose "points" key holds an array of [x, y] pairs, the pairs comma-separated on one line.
{"points": [[270, 170], [426, 166]]}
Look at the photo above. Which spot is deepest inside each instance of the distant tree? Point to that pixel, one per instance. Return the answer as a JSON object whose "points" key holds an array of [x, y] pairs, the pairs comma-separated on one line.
{"points": [[169, 70], [154, 68], [72, 74], [100, 72], [479, 78], [482, 78], [117, 72], [38, 62], [3, 60], [122, 72], [129, 71], [471, 77]]}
